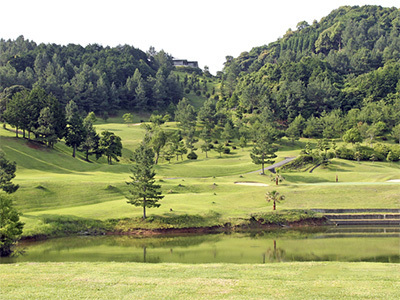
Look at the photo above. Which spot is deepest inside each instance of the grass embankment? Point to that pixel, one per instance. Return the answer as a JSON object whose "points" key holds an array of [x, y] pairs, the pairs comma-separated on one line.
{"points": [[311, 280], [57, 190]]}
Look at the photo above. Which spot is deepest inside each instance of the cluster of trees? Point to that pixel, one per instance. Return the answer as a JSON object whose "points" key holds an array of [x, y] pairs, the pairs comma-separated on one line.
{"points": [[349, 60], [96, 78], [41, 117], [212, 128], [196, 83]]}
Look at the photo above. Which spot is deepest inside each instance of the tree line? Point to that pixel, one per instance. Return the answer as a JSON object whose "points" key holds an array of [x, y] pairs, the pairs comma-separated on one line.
{"points": [[41, 117], [99, 79]]}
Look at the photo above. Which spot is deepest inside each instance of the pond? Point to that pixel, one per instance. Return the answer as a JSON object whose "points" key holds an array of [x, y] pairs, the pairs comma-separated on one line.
{"points": [[315, 244]]}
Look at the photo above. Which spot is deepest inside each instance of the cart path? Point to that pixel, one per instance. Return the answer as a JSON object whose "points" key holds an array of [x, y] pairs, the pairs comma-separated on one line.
{"points": [[277, 165]]}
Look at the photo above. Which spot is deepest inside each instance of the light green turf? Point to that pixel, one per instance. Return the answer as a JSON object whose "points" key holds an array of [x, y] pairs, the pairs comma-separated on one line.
{"points": [[53, 183], [313, 280]]}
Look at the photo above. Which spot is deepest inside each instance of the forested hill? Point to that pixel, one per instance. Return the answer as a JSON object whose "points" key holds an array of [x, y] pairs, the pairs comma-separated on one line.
{"points": [[96, 78], [349, 59]]}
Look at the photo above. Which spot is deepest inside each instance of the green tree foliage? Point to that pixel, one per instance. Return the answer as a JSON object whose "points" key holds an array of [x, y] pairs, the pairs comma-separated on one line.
{"points": [[157, 142], [109, 145], [24, 110], [185, 114], [46, 132], [91, 139], [295, 129], [263, 151], [97, 78], [352, 136], [128, 118], [274, 197], [75, 133], [348, 60], [10, 225], [396, 133], [142, 189], [7, 173]]}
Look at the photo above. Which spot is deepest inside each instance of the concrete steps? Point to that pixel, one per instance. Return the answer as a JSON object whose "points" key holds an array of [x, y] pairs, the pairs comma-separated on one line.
{"points": [[362, 217]]}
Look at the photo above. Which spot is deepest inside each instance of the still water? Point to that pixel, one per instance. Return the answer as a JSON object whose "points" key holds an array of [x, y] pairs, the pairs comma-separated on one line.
{"points": [[326, 244]]}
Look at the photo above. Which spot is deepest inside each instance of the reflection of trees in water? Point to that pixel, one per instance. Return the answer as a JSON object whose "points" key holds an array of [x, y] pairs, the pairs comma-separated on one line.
{"points": [[274, 255], [287, 233], [77, 242], [146, 258], [164, 241]]}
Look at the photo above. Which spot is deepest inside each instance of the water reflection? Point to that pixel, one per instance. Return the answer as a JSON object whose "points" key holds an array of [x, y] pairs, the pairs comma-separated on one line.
{"points": [[315, 244]]}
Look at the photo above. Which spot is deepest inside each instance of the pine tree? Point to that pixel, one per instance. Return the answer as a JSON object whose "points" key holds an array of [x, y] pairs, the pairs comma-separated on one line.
{"points": [[143, 190]]}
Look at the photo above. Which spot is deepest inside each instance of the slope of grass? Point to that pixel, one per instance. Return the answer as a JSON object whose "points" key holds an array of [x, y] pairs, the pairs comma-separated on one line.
{"points": [[53, 183]]}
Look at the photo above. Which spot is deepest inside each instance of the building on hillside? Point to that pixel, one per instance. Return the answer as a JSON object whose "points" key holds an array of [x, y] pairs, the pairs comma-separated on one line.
{"points": [[185, 63]]}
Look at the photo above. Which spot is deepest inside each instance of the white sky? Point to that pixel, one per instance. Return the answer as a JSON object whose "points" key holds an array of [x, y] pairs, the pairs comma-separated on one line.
{"points": [[206, 30]]}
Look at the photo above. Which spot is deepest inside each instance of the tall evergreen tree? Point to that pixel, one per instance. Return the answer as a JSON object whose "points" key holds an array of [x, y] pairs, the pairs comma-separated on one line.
{"points": [[264, 151], [143, 190]]}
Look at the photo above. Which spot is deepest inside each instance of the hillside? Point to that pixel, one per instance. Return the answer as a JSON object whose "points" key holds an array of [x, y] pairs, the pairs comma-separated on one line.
{"points": [[96, 78], [310, 94], [348, 60], [58, 189]]}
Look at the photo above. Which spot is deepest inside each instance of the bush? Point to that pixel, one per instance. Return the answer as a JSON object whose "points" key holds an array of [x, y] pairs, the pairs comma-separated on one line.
{"points": [[192, 155], [227, 150], [381, 150], [187, 91], [366, 152], [345, 153], [198, 93]]}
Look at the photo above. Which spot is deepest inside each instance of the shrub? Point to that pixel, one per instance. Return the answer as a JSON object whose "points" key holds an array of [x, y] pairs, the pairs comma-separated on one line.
{"points": [[345, 153], [192, 155], [227, 150], [365, 152], [381, 150]]}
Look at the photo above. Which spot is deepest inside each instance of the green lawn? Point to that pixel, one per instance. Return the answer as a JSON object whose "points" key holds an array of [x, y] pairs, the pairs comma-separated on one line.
{"points": [[53, 186], [53, 183], [313, 280]]}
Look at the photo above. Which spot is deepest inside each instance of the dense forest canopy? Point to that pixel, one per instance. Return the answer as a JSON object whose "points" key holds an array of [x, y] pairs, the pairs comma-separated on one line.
{"points": [[348, 60], [96, 78], [325, 80]]}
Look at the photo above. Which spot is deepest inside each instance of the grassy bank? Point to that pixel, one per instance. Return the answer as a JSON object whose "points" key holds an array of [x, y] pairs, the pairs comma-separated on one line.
{"points": [[51, 226], [330, 280]]}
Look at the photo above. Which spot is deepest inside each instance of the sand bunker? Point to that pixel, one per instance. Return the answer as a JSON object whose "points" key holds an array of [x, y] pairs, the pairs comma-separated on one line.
{"points": [[394, 180], [251, 183]]}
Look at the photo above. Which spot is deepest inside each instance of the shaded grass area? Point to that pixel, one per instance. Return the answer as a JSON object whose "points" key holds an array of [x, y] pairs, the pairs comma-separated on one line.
{"points": [[311, 280]]}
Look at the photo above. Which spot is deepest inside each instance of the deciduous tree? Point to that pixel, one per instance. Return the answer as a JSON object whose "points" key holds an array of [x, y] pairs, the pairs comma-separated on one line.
{"points": [[109, 145]]}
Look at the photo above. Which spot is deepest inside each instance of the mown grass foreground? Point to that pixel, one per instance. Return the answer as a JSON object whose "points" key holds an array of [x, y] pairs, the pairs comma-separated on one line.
{"points": [[330, 280]]}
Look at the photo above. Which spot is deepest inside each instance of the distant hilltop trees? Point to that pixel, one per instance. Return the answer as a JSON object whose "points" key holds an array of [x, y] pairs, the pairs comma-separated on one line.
{"points": [[99, 79]]}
